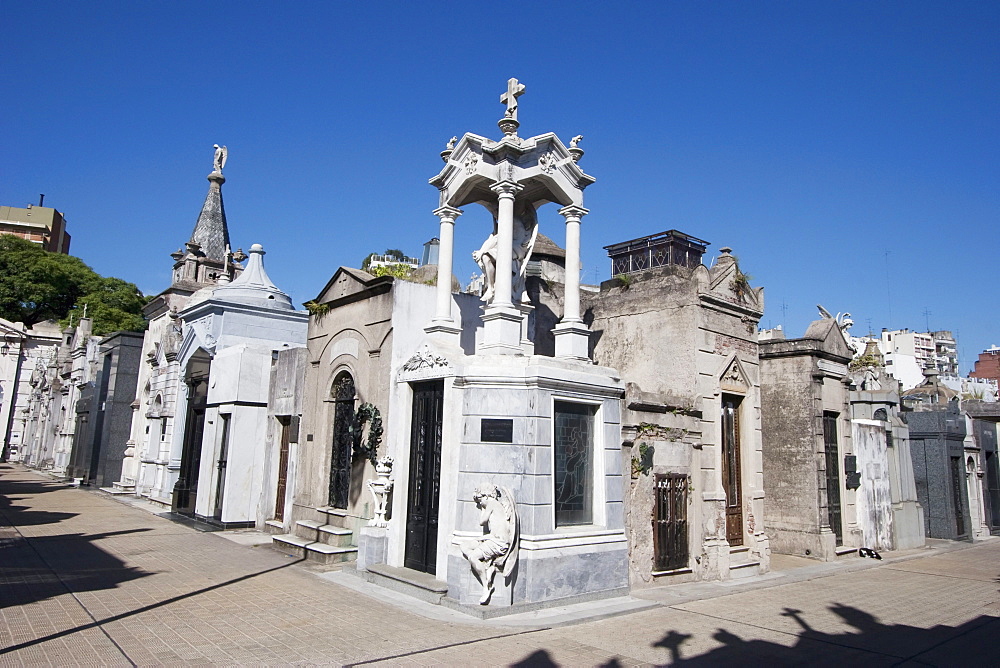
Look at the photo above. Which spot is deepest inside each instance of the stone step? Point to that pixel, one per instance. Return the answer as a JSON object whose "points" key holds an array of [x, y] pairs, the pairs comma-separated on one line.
{"points": [[417, 584], [312, 550], [745, 569], [274, 527], [324, 533], [337, 517]]}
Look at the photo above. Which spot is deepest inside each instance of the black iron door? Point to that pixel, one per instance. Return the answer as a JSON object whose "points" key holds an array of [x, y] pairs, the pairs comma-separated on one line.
{"points": [[993, 490], [186, 488], [731, 470], [670, 540], [425, 476], [957, 498], [832, 475], [343, 440]]}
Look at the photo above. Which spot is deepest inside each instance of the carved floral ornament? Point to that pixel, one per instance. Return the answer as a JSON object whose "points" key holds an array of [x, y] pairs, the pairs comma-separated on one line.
{"points": [[470, 163], [425, 358], [547, 163]]}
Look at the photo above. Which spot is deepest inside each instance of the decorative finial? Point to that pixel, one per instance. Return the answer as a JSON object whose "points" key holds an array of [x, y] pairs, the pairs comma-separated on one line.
{"points": [[575, 151], [509, 123], [448, 148], [239, 255], [575, 141], [221, 155]]}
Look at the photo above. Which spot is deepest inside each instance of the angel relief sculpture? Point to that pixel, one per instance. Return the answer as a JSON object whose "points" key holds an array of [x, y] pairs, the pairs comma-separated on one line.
{"points": [[496, 551], [525, 233]]}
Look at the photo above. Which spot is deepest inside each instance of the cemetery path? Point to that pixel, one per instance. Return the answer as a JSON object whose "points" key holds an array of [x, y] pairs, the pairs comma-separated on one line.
{"points": [[86, 580]]}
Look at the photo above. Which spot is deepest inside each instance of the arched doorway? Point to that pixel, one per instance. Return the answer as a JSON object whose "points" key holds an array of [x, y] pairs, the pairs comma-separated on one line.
{"points": [[186, 488], [343, 397]]}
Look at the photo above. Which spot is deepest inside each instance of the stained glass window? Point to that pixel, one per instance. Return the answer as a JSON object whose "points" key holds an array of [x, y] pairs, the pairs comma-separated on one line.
{"points": [[574, 463]]}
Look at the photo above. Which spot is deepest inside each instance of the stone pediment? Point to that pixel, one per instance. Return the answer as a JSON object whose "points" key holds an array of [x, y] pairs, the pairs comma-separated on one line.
{"points": [[828, 331], [735, 378], [345, 281]]}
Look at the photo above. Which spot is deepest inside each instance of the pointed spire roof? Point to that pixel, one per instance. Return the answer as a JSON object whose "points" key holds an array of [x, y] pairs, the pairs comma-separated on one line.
{"points": [[211, 232], [253, 286]]}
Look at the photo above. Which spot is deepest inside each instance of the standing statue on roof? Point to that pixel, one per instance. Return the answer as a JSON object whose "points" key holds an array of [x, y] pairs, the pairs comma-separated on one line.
{"points": [[221, 155]]}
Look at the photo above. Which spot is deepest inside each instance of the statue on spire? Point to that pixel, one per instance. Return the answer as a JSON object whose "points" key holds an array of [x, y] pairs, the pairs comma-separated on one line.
{"points": [[221, 155]]}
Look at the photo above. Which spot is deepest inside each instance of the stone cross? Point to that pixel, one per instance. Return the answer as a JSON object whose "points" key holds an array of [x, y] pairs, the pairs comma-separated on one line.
{"points": [[514, 91]]}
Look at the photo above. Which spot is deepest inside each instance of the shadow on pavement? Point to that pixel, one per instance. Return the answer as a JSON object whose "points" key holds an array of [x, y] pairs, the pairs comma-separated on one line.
{"points": [[872, 641]]}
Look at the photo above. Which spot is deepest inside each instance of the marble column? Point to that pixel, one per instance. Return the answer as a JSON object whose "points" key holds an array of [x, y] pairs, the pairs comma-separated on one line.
{"points": [[572, 336], [442, 324], [502, 319], [505, 190]]}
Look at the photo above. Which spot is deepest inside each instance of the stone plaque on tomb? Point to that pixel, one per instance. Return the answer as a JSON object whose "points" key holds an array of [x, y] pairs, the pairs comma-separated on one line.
{"points": [[496, 431]]}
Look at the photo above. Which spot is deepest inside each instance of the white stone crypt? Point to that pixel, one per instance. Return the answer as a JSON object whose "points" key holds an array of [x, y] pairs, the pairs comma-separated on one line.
{"points": [[501, 423]]}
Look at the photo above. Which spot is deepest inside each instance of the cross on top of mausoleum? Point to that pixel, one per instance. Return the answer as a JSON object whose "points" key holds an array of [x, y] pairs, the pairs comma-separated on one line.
{"points": [[509, 122]]}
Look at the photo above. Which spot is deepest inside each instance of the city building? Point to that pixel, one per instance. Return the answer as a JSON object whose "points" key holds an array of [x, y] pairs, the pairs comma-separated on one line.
{"points": [[38, 224], [988, 364], [908, 353]]}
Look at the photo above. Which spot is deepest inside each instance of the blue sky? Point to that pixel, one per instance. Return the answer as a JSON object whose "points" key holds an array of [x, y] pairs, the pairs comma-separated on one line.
{"points": [[849, 153]]}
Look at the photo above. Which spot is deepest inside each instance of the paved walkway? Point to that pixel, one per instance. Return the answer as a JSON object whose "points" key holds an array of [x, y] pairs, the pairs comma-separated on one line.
{"points": [[88, 580]]}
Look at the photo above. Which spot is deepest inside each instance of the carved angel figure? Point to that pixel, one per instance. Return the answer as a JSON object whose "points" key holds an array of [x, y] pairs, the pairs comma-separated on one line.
{"points": [[221, 155], [525, 233], [496, 551], [575, 141]]}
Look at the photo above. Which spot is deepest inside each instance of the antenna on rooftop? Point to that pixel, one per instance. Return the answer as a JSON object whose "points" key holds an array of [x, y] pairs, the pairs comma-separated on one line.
{"points": [[784, 312], [927, 318], [888, 288], [41, 198]]}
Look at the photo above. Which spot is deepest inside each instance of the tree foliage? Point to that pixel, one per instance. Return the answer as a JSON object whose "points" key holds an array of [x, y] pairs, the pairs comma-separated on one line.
{"points": [[36, 285], [114, 305]]}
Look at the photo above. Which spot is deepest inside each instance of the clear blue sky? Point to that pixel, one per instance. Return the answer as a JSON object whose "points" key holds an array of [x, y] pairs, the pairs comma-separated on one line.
{"points": [[812, 138]]}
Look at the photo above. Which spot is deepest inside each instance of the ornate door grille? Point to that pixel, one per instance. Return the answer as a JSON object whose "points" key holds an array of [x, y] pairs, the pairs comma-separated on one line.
{"points": [[343, 440], [670, 543], [425, 477], [832, 475]]}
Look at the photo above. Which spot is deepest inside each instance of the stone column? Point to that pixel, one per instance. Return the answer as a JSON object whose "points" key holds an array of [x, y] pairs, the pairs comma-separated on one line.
{"points": [[505, 190], [502, 319], [442, 323], [571, 334]]}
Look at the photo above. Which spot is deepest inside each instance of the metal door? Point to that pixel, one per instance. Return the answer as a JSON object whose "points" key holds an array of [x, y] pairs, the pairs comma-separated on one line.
{"points": [[425, 476], [670, 540], [731, 470]]}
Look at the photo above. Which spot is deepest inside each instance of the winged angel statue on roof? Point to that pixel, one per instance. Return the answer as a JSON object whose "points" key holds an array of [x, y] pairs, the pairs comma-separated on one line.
{"points": [[496, 551]]}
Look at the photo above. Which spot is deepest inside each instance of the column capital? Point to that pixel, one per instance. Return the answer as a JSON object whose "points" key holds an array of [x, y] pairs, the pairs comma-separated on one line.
{"points": [[506, 188], [573, 212], [447, 213]]}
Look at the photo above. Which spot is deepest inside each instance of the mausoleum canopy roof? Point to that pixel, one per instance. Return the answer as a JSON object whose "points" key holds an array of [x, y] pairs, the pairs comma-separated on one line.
{"points": [[542, 165]]}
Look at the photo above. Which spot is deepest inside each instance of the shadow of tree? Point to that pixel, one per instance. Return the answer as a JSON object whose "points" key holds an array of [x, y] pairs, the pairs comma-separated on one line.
{"points": [[871, 641], [34, 569]]}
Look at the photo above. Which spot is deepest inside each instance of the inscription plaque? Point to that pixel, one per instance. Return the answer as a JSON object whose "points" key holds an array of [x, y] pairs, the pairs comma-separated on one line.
{"points": [[496, 431]]}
